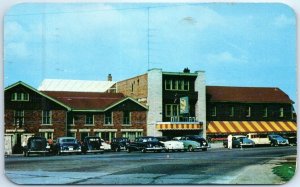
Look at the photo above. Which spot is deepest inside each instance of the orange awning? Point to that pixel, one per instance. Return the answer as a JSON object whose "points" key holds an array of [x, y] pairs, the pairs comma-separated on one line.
{"points": [[226, 127], [178, 126]]}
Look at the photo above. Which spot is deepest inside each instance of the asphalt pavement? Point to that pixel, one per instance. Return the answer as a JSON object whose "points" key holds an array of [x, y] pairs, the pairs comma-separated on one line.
{"points": [[215, 166]]}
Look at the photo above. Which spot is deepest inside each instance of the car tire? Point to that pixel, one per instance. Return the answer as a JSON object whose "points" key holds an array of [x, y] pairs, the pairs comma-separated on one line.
{"points": [[25, 154], [117, 149], [190, 148], [204, 149], [128, 150], [143, 150]]}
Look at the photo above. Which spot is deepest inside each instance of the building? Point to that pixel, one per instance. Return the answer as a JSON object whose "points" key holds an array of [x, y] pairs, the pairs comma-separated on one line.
{"points": [[52, 114], [242, 110], [176, 101]]}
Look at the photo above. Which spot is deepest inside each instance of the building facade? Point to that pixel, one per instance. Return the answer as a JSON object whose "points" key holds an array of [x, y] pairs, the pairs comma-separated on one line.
{"points": [[242, 110], [52, 114], [176, 101]]}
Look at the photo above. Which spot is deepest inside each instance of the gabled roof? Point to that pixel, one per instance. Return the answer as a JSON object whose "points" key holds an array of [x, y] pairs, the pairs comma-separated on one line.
{"points": [[89, 101], [75, 85], [247, 94], [38, 92], [86, 100]]}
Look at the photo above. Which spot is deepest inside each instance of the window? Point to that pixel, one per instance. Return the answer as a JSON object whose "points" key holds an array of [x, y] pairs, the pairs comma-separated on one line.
{"points": [[106, 136], [89, 119], [132, 135], [281, 112], [47, 117], [19, 118], [108, 118], [214, 111], [126, 117], [181, 85], [248, 112], [47, 135], [20, 96], [172, 110], [231, 111], [71, 134], [265, 112]]}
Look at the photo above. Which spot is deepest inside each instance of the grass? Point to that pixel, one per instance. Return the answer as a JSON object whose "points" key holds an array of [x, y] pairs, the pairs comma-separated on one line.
{"points": [[285, 170]]}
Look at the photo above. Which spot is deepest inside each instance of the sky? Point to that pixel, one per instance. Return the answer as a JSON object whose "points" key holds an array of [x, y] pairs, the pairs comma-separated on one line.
{"points": [[235, 44]]}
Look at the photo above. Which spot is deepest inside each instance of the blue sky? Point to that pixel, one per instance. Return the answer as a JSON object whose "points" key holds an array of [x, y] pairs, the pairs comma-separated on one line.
{"points": [[235, 44]]}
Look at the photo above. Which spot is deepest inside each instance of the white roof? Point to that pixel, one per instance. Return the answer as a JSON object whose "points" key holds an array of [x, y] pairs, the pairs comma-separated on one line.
{"points": [[75, 85]]}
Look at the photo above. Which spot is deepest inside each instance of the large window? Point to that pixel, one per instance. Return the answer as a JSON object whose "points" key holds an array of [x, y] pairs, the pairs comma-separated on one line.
{"points": [[19, 117], [106, 136], [281, 112], [20, 96], [248, 112], [108, 118], [89, 119], [177, 84], [47, 135], [47, 117], [172, 110], [126, 117], [132, 135]]}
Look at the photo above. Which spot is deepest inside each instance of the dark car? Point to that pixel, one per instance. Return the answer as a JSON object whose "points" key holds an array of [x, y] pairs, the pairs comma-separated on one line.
{"points": [[91, 144], [36, 145], [144, 144], [67, 145], [239, 141], [277, 140], [203, 143], [118, 144]]}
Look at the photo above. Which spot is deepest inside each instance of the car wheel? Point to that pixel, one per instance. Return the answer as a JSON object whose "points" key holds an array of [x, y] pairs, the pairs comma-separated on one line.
{"points": [[190, 148], [128, 150], [167, 150], [143, 150], [117, 149], [25, 154], [204, 149]]}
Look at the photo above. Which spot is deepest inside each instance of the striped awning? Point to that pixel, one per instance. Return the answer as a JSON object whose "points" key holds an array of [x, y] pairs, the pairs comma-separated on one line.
{"points": [[225, 127], [178, 126]]}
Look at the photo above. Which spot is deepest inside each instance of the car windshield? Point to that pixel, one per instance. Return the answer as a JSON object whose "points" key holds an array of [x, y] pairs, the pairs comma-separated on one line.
{"points": [[276, 136], [148, 139], [68, 140]]}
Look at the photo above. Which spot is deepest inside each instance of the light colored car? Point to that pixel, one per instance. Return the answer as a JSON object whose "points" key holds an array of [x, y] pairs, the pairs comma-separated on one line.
{"points": [[105, 146], [171, 145], [189, 145]]}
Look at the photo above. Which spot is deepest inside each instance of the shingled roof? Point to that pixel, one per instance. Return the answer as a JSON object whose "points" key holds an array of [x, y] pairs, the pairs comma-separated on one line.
{"points": [[86, 100], [246, 94]]}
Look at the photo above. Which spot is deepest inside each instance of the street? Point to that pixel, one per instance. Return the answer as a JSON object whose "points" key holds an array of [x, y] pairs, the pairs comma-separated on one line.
{"points": [[215, 166]]}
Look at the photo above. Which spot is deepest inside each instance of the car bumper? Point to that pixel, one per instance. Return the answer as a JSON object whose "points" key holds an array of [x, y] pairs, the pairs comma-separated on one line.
{"points": [[154, 148], [71, 151], [95, 151]]}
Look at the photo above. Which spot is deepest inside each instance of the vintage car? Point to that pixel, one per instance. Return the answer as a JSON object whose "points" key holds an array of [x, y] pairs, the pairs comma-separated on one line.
{"points": [[105, 146], [277, 140], [239, 141], [145, 144], [35, 145], [118, 144], [171, 145], [203, 143], [189, 145], [91, 144], [67, 145]]}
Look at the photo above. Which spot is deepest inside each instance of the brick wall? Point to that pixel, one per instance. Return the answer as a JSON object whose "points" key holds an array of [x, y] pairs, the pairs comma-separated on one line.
{"points": [[136, 87]]}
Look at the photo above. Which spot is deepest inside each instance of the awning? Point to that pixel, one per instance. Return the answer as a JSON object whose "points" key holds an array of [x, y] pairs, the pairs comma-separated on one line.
{"points": [[178, 126], [226, 127]]}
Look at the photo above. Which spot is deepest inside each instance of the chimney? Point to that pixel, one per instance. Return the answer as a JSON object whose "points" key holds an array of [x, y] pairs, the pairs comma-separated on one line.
{"points": [[109, 77]]}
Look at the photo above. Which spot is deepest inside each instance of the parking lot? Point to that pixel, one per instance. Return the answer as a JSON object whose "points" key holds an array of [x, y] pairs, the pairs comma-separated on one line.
{"points": [[215, 166]]}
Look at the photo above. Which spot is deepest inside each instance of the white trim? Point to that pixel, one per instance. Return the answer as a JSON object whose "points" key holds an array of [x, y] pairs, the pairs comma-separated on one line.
{"points": [[132, 130], [105, 130], [46, 130], [72, 130], [84, 130], [14, 130]]}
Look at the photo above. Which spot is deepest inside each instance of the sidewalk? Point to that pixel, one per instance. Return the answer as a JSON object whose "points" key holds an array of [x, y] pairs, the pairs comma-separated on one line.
{"points": [[261, 173]]}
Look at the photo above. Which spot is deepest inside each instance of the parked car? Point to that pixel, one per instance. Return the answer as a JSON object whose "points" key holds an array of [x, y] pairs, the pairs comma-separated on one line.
{"points": [[203, 143], [105, 146], [239, 141], [171, 145], [145, 144], [277, 140], [259, 139], [67, 145], [91, 144], [292, 140], [189, 145], [36, 145], [118, 144]]}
